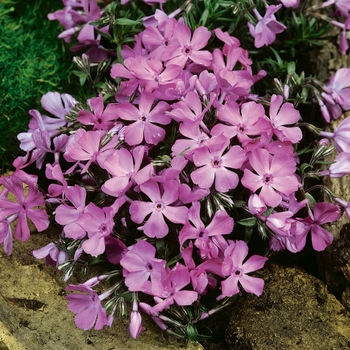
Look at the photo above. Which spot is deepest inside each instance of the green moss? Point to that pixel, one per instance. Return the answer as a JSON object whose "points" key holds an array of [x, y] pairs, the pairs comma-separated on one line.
{"points": [[32, 62]]}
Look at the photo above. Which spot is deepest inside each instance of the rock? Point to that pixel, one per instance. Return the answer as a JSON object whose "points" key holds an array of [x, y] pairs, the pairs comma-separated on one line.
{"points": [[34, 314], [295, 312]]}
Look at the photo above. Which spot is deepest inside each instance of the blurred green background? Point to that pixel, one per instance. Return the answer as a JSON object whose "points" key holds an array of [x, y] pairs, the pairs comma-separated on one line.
{"points": [[33, 61]]}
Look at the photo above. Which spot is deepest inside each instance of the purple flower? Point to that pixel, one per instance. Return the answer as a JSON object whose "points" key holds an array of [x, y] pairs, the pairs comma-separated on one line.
{"points": [[87, 307], [135, 327], [340, 136], [140, 264], [284, 114], [53, 255], [241, 121], [339, 168], [182, 47], [6, 235], [101, 118], [234, 267], [194, 228], [98, 223], [267, 27], [24, 207], [160, 206], [339, 88], [143, 119], [323, 213], [213, 165], [275, 176]]}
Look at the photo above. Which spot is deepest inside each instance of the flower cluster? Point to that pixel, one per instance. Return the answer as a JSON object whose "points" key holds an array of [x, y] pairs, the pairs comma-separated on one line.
{"points": [[164, 180]]}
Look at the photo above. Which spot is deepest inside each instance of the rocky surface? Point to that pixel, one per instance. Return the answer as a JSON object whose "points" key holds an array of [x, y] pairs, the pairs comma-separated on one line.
{"points": [[295, 312], [34, 314]]}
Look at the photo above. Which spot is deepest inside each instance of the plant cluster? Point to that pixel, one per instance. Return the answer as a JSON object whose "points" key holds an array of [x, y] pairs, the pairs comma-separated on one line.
{"points": [[188, 159]]}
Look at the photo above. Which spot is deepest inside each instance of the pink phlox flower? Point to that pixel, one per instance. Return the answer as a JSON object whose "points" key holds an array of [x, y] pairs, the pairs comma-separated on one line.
{"points": [[322, 213], [52, 253], [54, 172], [339, 168], [242, 121], [22, 162], [160, 17], [123, 165], [345, 205], [156, 40], [235, 83], [255, 205], [340, 136], [25, 207], [151, 73], [194, 228], [329, 108], [172, 285], [188, 194], [139, 264], [290, 232], [6, 233], [143, 119], [182, 47], [161, 205], [284, 114], [101, 118], [86, 146], [237, 270], [195, 138], [190, 109], [135, 327], [264, 33], [137, 50], [205, 84], [232, 48], [68, 215], [339, 88], [342, 5], [213, 165], [58, 105], [98, 223], [86, 304], [275, 175]]}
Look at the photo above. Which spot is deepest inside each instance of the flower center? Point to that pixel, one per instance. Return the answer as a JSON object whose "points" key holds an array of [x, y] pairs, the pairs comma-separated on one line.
{"points": [[237, 272], [216, 162], [144, 117], [241, 129], [267, 179], [187, 50], [158, 205]]}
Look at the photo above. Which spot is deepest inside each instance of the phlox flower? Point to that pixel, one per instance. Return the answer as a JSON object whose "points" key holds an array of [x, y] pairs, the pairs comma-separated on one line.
{"points": [[98, 223], [52, 254], [54, 172], [67, 215], [282, 114], [237, 270], [290, 3], [194, 228], [157, 39], [135, 326], [86, 304], [139, 264], [289, 233], [6, 234], [275, 176], [339, 88], [182, 47], [322, 213], [339, 168], [123, 165], [161, 205], [340, 136], [142, 119], [213, 165], [264, 33], [172, 285], [85, 146], [101, 118], [24, 208], [241, 121]]}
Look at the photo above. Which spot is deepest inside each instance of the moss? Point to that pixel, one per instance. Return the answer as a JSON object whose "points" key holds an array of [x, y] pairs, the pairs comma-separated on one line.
{"points": [[32, 62]]}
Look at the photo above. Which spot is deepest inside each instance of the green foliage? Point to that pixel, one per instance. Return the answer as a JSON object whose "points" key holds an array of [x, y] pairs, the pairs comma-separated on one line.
{"points": [[32, 62]]}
